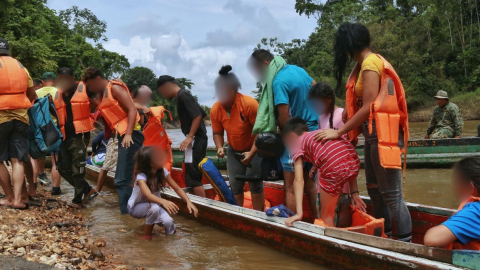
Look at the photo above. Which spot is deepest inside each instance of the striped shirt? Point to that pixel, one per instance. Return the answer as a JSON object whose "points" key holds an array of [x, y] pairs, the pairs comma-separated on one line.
{"points": [[335, 159]]}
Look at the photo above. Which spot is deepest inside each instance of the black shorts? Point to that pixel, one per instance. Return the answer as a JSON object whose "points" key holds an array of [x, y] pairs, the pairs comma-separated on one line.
{"points": [[14, 140], [193, 175]]}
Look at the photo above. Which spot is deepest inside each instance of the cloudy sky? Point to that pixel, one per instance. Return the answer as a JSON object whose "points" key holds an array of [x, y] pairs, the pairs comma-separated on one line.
{"points": [[194, 38]]}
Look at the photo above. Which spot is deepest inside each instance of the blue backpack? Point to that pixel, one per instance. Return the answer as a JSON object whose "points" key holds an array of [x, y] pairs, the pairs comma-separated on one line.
{"points": [[45, 136]]}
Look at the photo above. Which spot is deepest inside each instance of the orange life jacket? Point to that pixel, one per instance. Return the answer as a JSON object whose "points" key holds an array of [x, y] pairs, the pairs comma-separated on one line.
{"points": [[111, 110], [389, 110], [14, 85], [361, 223], [472, 245], [80, 110], [155, 134]]}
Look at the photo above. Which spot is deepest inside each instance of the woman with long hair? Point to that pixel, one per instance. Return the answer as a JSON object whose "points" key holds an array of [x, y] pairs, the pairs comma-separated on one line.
{"points": [[372, 84]]}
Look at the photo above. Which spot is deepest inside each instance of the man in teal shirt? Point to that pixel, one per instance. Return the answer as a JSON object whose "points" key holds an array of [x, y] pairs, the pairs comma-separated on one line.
{"points": [[291, 86]]}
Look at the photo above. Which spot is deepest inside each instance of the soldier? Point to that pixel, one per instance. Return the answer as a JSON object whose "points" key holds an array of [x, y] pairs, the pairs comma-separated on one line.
{"points": [[447, 122]]}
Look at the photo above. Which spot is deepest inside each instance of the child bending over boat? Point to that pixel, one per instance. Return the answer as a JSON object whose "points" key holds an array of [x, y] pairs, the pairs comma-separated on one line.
{"points": [[462, 230], [336, 160], [146, 201]]}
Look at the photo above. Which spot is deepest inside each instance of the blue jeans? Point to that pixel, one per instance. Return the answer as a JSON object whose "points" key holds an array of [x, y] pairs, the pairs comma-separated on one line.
{"points": [[125, 167], [385, 188]]}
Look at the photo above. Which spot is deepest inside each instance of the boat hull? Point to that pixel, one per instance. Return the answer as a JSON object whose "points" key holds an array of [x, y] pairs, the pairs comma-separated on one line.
{"points": [[330, 247]]}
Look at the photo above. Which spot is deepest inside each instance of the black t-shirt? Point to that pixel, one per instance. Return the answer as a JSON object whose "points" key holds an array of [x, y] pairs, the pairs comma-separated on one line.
{"points": [[187, 109], [69, 127]]}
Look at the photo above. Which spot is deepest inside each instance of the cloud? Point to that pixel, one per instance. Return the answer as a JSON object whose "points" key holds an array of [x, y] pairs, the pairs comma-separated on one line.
{"points": [[137, 50], [256, 23]]}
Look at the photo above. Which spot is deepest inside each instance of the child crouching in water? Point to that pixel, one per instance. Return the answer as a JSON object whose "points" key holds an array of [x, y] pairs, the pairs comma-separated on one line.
{"points": [[336, 160], [146, 201], [462, 230]]}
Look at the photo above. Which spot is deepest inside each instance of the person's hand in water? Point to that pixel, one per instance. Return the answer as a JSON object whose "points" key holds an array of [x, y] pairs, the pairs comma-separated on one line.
{"points": [[192, 209], [289, 221], [186, 143], [327, 134], [127, 141], [170, 207], [220, 152]]}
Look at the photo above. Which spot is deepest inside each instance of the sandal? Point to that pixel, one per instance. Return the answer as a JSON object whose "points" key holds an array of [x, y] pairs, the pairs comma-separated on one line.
{"points": [[20, 208]]}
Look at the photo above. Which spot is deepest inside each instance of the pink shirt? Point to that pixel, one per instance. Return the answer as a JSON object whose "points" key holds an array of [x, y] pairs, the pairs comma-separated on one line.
{"points": [[324, 120], [324, 123]]}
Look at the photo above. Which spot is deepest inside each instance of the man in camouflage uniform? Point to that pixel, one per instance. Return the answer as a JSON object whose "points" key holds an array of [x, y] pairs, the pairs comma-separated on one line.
{"points": [[447, 122]]}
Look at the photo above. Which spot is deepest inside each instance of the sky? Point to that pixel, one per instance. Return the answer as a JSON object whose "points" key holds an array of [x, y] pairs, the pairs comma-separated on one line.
{"points": [[194, 38]]}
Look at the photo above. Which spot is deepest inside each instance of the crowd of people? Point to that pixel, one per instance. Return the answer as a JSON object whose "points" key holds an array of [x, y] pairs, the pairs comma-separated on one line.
{"points": [[319, 159]]}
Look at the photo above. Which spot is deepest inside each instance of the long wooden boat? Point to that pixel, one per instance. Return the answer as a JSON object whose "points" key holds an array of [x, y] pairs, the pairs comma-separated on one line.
{"points": [[421, 153], [331, 247]]}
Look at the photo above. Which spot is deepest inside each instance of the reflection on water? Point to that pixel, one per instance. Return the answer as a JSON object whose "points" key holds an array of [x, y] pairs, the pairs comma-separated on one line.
{"points": [[195, 246], [417, 131], [424, 186]]}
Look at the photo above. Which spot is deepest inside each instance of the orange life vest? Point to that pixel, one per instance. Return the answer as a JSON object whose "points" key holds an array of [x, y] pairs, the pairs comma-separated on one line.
{"points": [[80, 110], [361, 223], [14, 85], [389, 110], [472, 245], [155, 134], [111, 110]]}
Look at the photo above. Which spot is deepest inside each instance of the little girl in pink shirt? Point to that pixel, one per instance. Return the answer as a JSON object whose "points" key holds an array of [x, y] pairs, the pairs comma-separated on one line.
{"points": [[322, 99]]}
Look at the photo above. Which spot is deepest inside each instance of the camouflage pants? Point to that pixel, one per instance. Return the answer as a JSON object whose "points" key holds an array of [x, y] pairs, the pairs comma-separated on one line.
{"points": [[442, 133]]}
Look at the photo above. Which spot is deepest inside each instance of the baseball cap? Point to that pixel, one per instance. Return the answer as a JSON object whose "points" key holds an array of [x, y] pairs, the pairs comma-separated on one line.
{"points": [[4, 48], [48, 75], [442, 95]]}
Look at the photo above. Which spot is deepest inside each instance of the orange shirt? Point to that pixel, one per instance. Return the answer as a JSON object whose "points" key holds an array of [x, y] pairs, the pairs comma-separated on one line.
{"points": [[239, 124]]}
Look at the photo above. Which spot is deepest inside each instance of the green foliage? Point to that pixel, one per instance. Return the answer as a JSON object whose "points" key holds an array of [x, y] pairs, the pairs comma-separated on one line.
{"points": [[433, 44], [43, 40]]}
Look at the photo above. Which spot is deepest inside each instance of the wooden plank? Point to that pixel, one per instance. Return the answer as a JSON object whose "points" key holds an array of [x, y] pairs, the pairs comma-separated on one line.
{"points": [[333, 252], [467, 258], [392, 245]]}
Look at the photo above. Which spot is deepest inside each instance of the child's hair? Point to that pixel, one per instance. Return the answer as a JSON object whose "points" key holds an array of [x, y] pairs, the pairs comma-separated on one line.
{"points": [[323, 90], [469, 168], [143, 158], [296, 125]]}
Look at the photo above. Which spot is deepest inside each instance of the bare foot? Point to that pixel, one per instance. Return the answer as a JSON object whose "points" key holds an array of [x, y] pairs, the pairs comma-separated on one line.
{"points": [[5, 202], [32, 192], [20, 206], [146, 237]]}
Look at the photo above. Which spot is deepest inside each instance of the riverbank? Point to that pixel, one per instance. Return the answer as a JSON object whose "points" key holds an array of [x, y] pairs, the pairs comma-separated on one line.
{"points": [[467, 103], [52, 233]]}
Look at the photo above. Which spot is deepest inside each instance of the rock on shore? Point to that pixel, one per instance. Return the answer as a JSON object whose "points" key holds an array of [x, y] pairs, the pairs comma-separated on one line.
{"points": [[55, 235]]}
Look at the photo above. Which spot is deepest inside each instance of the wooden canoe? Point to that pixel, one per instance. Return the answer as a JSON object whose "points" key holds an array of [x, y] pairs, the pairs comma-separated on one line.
{"points": [[330, 247], [421, 153]]}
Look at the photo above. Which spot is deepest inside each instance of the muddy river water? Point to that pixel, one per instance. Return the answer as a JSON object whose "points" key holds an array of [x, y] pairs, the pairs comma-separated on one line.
{"points": [[197, 246]]}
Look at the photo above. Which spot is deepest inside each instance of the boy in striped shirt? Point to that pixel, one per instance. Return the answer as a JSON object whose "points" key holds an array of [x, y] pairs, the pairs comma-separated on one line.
{"points": [[337, 163]]}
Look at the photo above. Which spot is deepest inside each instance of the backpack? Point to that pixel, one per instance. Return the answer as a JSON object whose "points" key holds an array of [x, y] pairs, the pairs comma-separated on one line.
{"points": [[45, 136]]}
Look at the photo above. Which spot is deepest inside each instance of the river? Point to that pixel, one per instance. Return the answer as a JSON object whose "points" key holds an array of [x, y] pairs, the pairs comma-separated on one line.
{"points": [[197, 246]]}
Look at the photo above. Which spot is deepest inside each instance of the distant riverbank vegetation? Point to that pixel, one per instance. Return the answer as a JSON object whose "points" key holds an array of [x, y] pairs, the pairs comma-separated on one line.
{"points": [[433, 45]]}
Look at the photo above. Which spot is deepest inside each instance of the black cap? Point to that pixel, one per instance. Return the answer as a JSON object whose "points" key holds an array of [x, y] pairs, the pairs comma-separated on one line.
{"points": [[4, 48], [163, 79]]}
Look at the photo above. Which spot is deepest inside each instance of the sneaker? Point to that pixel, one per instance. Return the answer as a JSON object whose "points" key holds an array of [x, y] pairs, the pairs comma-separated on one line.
{"points": [[43, 179], [56, 191]]}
